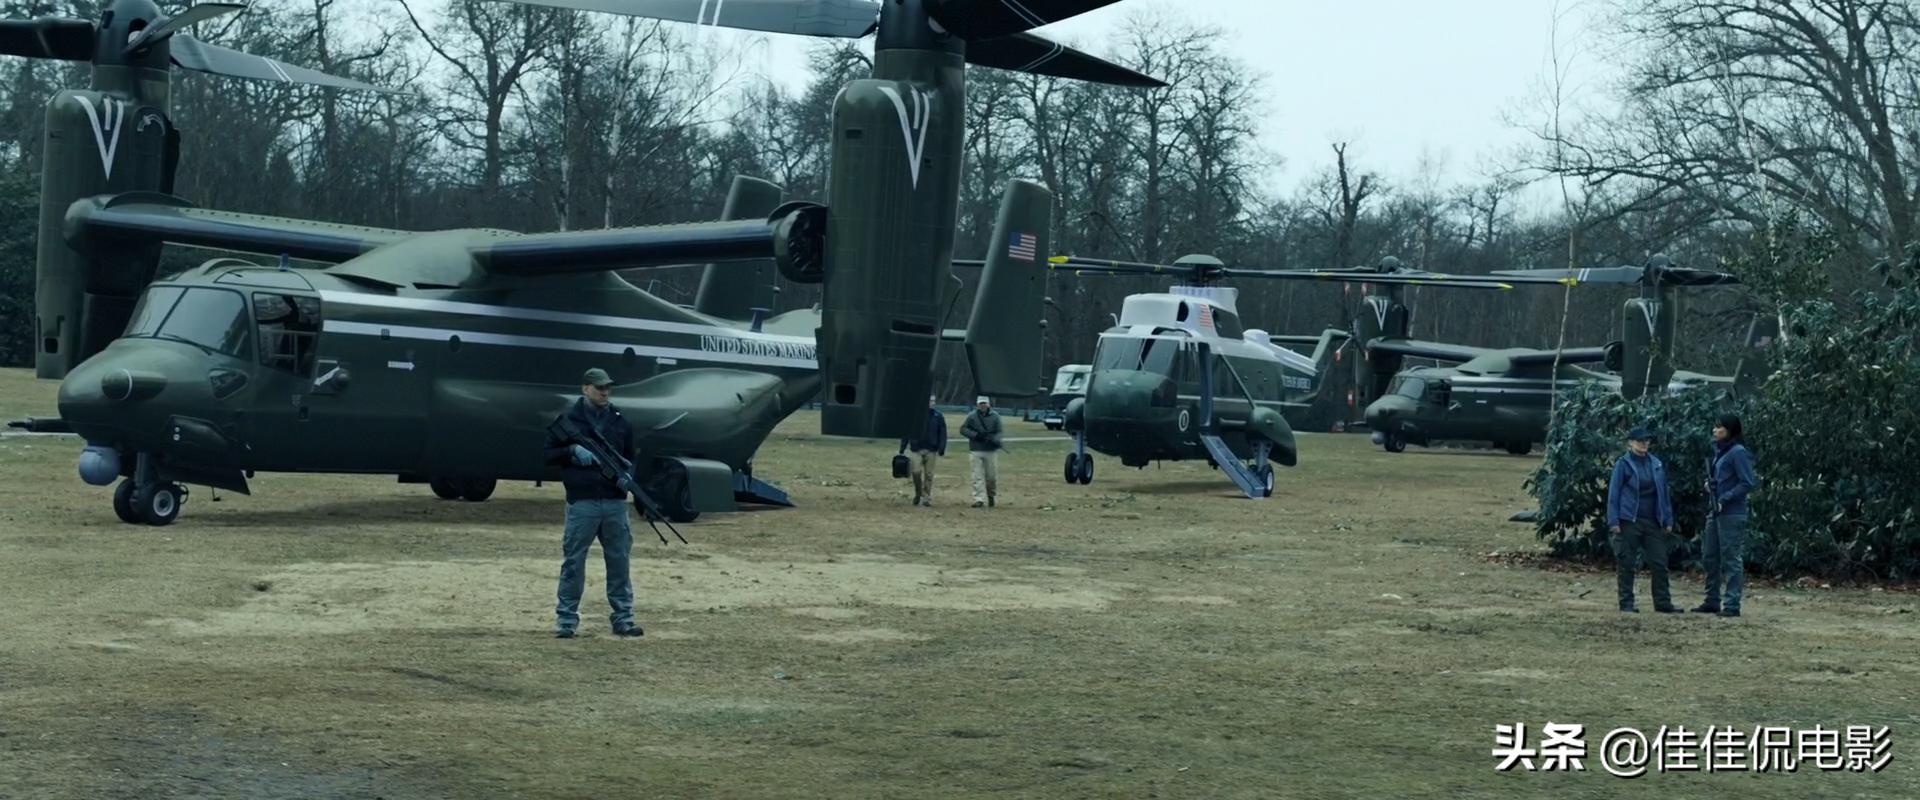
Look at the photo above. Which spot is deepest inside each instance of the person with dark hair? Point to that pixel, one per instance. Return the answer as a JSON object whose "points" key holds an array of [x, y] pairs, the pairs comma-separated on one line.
{"points": [[1640, 515], [1730, 478]]}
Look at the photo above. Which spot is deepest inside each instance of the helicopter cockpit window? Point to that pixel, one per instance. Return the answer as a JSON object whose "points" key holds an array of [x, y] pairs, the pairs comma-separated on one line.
{"points": [[1411, 387], [212, 318], [1158, 355], [1117, 352], [152, 310], [289, 330]]}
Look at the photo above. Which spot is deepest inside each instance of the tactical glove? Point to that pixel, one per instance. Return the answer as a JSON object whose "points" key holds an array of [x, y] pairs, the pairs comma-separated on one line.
{"points": [[582, 456]]}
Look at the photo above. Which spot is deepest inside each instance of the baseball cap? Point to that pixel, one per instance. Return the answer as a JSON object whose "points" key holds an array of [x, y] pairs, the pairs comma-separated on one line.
{"points": [[596, 377], [982, 399]]}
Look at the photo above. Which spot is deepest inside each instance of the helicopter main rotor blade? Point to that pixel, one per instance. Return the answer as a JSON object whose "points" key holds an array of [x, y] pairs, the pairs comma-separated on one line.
{"points": [[47, 37], [845, 19], [976, 20], [1416, 279], [1025, 52], [1578, 276], [1688, 276], [194, 54], [169, 26]]}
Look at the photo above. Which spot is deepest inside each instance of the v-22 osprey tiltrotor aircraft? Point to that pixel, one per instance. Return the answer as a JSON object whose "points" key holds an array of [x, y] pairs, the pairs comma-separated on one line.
{"points": [[440, 357]]}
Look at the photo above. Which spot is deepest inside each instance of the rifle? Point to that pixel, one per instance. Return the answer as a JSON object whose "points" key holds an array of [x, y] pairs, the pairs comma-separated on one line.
{"points": [[616, 468]]}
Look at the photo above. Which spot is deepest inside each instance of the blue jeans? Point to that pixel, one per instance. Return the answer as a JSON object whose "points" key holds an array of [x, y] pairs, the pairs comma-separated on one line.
{"points": [[588, 520], [1722, 552]]}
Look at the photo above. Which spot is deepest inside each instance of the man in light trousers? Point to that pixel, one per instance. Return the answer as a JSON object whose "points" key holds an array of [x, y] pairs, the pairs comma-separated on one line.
{"points": [[982, 431]]}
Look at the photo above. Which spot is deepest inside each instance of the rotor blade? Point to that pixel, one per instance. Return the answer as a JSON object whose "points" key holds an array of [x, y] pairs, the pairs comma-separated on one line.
{"points": [[194, 54], [47, 37], [1025, 52], [1688, 276], [974, 20], [172, 25], [846, 19], [1417, 279], [1578, 276]]}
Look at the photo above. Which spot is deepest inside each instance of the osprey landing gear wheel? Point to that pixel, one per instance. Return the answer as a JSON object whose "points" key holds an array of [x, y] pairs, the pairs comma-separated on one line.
{"points": [[123, 503], [474, 490], [444, 488], [159, 503]]}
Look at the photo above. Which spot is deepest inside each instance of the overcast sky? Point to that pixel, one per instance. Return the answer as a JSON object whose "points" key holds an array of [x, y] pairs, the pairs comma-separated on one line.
{"points": [[1400, 78]]}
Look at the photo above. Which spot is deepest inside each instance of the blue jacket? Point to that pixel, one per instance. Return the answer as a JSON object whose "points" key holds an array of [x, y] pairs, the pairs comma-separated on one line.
{"points": [[1623, 494], [933, 434], [1733, 478]]}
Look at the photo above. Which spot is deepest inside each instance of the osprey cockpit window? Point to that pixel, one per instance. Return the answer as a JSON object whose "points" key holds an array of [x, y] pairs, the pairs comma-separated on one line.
{"points": [[1411, 387], [212, 319], [289, 330], [152, 310]]}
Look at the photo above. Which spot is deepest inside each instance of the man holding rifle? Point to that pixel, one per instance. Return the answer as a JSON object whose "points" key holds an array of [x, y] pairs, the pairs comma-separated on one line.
{"points": [[596, 505]]}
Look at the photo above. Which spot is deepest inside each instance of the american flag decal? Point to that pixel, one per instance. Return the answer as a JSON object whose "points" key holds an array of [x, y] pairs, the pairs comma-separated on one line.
{"points": [[1206, 315], [1023, 247]]}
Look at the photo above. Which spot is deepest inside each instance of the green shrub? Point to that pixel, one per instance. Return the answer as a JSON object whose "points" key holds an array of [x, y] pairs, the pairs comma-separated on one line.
{"points": [[1835, 430], [1590, 434]]}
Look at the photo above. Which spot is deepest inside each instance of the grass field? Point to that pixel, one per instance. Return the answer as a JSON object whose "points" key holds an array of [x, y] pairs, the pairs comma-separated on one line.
{"points": [[1149, 635]]}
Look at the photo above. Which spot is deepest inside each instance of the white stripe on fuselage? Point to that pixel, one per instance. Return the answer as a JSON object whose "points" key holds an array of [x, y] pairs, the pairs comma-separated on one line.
{"points": [[577, 345], [543, 315]]}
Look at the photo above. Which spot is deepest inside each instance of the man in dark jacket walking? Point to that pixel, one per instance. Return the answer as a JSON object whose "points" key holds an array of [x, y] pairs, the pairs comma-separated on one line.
{"points": [[596, 509], [982, 431], [1640, 515], [1730, 478], [931, 441]]}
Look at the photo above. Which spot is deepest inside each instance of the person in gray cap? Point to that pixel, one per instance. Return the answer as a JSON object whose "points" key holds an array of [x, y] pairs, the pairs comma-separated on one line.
{"points": [[982, 431], [596, 509], [1640, 516]]}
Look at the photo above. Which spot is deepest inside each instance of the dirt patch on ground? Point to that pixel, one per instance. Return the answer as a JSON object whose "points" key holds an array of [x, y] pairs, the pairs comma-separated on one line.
{"points": [[865, 636], [322, 598]]}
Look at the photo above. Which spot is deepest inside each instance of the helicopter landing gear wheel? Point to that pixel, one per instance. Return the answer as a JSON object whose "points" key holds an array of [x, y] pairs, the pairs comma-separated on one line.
{"points": [[159, 504], [1520, 448], [1079, 468], [1264, 473], [474, 490], [1395, 443], [123, 503], [444, 488]]}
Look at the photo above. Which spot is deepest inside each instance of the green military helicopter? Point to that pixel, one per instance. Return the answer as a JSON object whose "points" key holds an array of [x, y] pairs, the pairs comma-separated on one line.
{"points": [[1504, 396], [441, 356], [1178, 377]]}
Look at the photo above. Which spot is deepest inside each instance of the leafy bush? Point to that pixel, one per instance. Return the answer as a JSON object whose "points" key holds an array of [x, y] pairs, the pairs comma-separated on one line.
{"points": [[1590, 434], [19, 230], [1835, 430], [1838, 427]]}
